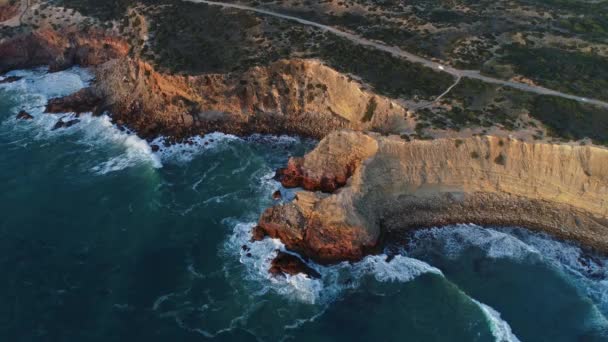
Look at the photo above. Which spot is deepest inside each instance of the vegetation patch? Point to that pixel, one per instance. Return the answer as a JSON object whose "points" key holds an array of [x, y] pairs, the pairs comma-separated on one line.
{"points": [[571, 119], [370, 110], [500, 159], [389, 75], [571, 72]]}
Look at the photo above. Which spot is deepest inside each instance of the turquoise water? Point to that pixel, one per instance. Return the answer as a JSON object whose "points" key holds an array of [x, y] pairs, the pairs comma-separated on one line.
{"points": [[103, 240]]}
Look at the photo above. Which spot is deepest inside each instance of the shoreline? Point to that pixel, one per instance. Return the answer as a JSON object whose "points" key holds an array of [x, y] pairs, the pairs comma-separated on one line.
{"points": [[329, 185], [357, 173]]}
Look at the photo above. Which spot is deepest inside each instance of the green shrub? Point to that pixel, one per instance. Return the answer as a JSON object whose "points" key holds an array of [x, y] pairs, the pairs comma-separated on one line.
{"points": [[500, 159]]}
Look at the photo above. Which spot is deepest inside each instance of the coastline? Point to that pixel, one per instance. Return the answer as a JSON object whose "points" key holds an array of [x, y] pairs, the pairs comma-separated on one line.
{"points": [[399, 186], [352, 217]]}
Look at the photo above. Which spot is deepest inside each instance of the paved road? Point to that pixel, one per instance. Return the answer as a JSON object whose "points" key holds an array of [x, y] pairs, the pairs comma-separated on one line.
{"points": [[457, 73]]}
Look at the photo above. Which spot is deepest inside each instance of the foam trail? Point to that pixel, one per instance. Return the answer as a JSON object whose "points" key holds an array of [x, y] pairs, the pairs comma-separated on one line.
{"points": [[183, 153], [500, 329], [588, 272], [454, 240], [98, 130]]}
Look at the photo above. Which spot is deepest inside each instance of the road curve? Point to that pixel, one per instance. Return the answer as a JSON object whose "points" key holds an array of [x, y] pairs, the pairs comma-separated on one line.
{"points": [[457, 73]]}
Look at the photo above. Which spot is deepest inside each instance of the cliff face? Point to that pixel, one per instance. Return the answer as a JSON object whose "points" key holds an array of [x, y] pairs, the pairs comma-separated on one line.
{"points": [[295, 96], [59, 49], [289, 96], [400, 185]]}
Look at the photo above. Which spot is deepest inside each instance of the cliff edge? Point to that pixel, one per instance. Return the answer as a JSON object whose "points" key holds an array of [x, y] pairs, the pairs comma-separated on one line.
{"points": [[395, 185]]}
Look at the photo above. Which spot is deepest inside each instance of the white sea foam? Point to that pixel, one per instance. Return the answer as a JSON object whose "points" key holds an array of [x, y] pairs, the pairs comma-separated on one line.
{"points": [[50, 85], [257, 258], [587, 272], [453, 240], [100, 131], [38, 86], [183, 153], [277, 140], [500, 328]]}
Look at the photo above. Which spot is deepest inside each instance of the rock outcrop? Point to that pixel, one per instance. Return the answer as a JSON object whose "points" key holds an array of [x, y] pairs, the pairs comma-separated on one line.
{"points": [[296, 96], [285, 263], [399, 185], [59, 49], [10, 79], [301, 97], [23, 115], [65, 124], [337, 166], [84, 100]]}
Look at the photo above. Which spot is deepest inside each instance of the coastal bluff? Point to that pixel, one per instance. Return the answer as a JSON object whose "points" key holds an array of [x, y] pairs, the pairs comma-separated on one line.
{"points": [[363, 187]]}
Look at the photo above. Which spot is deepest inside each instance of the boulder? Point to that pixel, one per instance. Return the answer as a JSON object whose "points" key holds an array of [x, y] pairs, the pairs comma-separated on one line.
{"points": [[65, 124], [285, 263], [80, 102], [23, 115], [10, 79]]}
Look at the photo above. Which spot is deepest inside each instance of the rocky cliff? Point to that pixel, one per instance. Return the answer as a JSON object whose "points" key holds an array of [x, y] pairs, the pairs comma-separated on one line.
{"points": [[59, 49], [295, 96], [397, 185]]}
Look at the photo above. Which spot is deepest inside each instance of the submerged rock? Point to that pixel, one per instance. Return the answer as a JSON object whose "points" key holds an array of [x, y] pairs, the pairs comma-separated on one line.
{"points": [[285, 263], [23, 115], [65, 124], [10, 79], [277, 195]]}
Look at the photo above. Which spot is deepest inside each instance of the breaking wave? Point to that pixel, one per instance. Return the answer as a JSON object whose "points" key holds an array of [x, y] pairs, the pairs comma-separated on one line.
{"points": [[36, 87], [587, 271]]}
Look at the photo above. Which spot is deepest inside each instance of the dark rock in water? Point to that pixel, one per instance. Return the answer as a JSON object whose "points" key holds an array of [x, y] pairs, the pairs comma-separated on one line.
{"points": [[277, 195], [285, 263], [10, 79], [71, 123], [23, 115], [155, 148], [59, 124], [65, 124], [80, 102]]}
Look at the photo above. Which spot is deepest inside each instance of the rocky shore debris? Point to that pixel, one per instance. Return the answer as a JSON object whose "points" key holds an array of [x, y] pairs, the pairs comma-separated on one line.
{"points": [[285, 263], [23, 115], [65, 124], [80, 102], [10, 79]]}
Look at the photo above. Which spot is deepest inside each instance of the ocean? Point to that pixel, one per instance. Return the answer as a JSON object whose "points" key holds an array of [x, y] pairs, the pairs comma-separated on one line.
{"points": [[102, 239]]}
